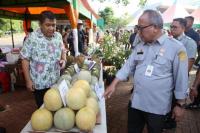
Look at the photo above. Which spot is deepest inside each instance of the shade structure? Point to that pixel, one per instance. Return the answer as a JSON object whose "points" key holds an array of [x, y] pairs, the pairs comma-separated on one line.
{"points": [[196, 15], [133, 20], [28, 10], [174, 11]]}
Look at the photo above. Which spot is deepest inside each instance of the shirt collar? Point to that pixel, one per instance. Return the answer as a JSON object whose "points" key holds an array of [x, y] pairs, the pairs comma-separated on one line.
{"points": [[161, 39], [41, 35], [180, 37]]}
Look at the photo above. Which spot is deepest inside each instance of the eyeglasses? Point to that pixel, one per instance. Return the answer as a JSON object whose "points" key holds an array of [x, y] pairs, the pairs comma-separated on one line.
{"points": [[140, 28], [173, 27]]}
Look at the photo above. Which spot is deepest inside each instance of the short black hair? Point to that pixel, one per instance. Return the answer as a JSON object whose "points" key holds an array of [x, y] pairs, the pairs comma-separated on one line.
{"points": [[46, 14], [67, 28], [181, 21], [190, 17]]}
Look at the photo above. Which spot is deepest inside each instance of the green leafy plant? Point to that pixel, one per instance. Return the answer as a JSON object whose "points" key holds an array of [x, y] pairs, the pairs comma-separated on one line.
{"points": [[114, 54]]}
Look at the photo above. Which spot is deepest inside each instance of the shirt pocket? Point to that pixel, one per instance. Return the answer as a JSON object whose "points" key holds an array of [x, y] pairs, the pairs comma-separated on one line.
{"points": [[140, 64], [139, 60], [161, 65]]}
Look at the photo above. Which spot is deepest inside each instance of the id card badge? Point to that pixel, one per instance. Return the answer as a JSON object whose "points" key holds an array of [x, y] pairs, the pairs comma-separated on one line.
{"points": [[149, 70]]}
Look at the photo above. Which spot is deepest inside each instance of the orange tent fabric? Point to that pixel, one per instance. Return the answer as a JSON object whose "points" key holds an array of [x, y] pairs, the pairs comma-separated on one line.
{"points": [[72, 14], [34, 10], [26, 25]]}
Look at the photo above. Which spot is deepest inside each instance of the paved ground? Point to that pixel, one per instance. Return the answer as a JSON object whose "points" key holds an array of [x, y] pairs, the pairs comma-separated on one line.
{"points": [[20, 105], [7, 40], [117, 114]]}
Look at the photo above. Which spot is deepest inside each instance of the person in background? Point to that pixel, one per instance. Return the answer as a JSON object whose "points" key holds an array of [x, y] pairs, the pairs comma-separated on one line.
{"points": [[117, 35], [189, 31], [71, 43], [43, 56], [177, 30], [86, 34], [132, 37], [158, 64], [195, 92], [29, 31], [65, 36], [96, 33], [81, 37], [195, 36]]}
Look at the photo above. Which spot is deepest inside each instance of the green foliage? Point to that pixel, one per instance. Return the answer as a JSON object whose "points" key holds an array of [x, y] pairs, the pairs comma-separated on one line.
{"points": [[2, 22], [108, 15], [124, 2], [142, 3], [114, 54], [124, 39], [17, 25], [34, 25], [1, 33], [5, 25], [112, 22]]}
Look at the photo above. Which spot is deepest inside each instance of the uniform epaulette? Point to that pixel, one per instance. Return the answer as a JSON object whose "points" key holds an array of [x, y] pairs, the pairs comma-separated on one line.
{"points": [[172, 39], [175, 41], [189, 38]]}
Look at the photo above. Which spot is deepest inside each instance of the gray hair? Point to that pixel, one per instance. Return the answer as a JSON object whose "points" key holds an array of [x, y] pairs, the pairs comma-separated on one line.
{"points": [[154, 18]]}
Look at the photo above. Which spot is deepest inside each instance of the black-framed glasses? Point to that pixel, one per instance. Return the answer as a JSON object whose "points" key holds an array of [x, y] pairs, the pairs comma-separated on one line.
{"points": [[173, 27], [143, 27]]}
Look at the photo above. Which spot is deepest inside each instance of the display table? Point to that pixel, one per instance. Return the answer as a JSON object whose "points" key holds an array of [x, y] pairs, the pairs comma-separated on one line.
{"points": [[16, 70], [99, 128]]}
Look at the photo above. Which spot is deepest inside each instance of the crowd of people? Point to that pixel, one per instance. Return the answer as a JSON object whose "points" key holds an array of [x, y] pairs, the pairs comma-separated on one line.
{"points": [[83, 38], [159, 63]]}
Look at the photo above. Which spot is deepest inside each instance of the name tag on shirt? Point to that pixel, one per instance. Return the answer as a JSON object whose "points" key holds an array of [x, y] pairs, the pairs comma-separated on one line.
{"points": [[149, 70]]}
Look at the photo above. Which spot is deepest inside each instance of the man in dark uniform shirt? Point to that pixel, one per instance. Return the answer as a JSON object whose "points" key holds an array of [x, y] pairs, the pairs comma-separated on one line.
{"points": [[195, 36], [133, 35], [189, 31], [81, 37]]}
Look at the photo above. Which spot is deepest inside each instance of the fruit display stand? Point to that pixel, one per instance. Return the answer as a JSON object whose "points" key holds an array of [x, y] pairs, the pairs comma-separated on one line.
{"points": [[100, 126]]}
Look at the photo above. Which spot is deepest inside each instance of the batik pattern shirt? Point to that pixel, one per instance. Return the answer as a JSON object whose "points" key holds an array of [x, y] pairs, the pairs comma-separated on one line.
{"points": [[44, 55]]}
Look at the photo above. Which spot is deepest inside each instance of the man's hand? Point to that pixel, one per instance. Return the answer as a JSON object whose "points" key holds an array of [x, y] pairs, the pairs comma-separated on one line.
{"points": [[193, 93], [30, 86], [109, 91], [62, 64], [178, 113]]}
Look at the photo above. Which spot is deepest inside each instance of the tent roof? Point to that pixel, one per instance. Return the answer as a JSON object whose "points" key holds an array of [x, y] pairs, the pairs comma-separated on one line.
{"points": [[133, 20], [175, 11], [196, 15], [21, 9]]}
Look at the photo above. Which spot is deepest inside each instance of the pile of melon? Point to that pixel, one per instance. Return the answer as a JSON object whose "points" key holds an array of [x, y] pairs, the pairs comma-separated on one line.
{"points": [[82, 103]]}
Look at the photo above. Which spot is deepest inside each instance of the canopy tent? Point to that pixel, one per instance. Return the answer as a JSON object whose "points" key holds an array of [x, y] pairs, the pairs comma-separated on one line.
{"points": [[133, 20], [196, 15], [28, 10], [175, 11]]}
